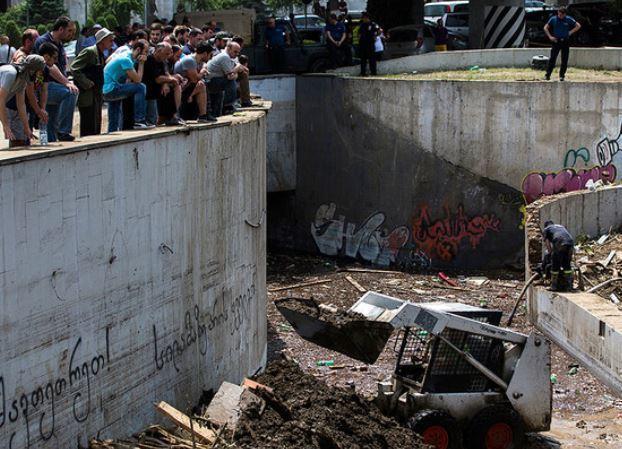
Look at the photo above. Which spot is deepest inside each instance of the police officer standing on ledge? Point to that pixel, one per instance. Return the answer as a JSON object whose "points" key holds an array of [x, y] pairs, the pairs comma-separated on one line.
{"points": [[560, 245], [558, 29]]}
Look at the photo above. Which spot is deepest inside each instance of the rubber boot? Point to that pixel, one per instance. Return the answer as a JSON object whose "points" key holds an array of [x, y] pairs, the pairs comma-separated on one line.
{"points": [[568, 276], [555, 281]]}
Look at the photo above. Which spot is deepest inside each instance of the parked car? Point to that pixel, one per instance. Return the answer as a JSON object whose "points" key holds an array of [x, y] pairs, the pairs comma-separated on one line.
{"points": [[309, 28], [457, 23], [402, 41], [436, 10], [298, 57], [534, 5]]}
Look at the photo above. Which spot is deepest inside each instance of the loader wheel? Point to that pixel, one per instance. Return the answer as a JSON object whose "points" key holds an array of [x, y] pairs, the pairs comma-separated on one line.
{"points": [[437, 428], [496, 427]]}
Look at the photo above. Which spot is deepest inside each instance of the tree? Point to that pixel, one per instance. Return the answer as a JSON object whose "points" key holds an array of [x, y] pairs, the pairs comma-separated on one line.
{"points": [[120, 9], [38, 12], [13, 32]]}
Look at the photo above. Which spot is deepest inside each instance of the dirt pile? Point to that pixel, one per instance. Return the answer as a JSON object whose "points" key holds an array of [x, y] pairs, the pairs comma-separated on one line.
{"points": [[329, 314], [600, 261], [317, 416]]}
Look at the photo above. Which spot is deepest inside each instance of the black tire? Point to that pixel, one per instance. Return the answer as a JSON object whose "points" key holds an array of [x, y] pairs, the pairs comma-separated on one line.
{"points": [[495, 427], [437, 428], [319, 65]]}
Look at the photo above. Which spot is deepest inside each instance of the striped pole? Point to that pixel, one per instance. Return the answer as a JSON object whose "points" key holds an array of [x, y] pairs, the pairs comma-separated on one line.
{"points": [[504, 26]]}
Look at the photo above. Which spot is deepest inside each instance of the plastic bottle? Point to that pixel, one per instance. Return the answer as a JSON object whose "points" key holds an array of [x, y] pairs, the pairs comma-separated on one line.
{"points": [[325, 362], [43, 136], [553, 378]]}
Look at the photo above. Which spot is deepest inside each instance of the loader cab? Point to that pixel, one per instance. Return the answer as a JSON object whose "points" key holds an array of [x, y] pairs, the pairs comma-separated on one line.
{"points": [[429, 365]]}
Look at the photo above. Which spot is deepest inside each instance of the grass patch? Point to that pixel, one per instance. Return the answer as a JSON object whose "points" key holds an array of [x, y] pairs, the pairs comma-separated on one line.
{"points": [[513, 74]]}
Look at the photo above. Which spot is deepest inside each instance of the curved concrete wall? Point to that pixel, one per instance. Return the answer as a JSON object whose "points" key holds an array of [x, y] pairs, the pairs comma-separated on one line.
{"points": [[459, 148], [583, 324], [132, 271], [597, 58]]}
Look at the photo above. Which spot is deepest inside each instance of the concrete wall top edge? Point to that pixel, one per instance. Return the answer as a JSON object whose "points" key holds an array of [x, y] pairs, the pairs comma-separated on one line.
{"points": [[123, 137], [605, 58]]}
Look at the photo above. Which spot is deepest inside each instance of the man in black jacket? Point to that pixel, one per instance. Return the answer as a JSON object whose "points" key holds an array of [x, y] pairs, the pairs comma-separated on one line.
{"points": [[368, 31]]}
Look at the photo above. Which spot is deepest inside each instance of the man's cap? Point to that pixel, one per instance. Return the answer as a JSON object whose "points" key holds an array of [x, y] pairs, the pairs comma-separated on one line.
{"points": [[102, 34], [548, 223], [97, 26], [222, 35]]}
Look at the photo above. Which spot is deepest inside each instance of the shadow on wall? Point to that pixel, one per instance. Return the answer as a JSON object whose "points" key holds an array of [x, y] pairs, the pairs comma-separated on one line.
{"points": [[366, 192]]}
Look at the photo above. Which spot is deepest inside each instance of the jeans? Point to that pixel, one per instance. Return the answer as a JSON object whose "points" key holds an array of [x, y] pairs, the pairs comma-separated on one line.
{"points": [[60, 107], [564, 47], [152, 112], [368, 56], [222, 93], [115, 98]]}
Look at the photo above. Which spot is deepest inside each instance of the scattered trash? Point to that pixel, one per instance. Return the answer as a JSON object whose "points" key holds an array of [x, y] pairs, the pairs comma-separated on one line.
{"points": [[325, 363], [553, 378], [355, 284], [614, 298], [284, 327], [474, 68], [301, 285], [183, 421], [447, 280], [477, 281], [602, 239], [573, 371]]}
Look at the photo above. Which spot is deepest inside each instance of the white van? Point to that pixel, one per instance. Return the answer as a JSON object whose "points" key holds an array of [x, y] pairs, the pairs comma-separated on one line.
{"points": [[436, 10]]}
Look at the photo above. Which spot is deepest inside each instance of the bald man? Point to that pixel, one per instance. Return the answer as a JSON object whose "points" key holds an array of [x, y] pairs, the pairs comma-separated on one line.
{"points": [[222, 71]]}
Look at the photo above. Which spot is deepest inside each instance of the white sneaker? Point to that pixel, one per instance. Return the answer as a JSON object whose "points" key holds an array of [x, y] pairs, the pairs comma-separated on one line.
{"points": [[138, 125]]}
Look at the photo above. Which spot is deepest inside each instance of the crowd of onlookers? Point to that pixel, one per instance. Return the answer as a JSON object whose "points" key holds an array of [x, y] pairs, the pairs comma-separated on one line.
{"points": [[163, 75]]}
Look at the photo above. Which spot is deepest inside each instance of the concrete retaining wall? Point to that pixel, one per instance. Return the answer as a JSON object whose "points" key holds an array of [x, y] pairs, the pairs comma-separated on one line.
{"points": [[605, 58], [375, 182], [132, 271], [454, 150], [281, 139], [583, 324]]}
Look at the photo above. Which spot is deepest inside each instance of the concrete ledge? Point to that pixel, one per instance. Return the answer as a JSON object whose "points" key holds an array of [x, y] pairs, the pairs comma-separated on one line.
{"points": [[21, 154], [583, 324], [605, 58]]}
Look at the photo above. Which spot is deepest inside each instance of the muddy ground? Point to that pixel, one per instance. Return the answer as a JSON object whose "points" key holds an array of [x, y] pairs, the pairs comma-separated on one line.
{"points": [[586, 414]]}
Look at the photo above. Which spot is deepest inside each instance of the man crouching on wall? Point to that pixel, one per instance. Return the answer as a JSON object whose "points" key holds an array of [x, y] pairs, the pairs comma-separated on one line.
{"points": [[560, 245]]}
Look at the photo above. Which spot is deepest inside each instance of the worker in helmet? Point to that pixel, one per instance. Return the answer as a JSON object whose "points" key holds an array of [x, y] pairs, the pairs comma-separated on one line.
{"points": [[560, 245]]}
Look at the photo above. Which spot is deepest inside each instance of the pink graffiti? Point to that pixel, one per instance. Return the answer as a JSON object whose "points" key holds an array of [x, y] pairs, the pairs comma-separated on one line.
{"points": [[536, 185]]}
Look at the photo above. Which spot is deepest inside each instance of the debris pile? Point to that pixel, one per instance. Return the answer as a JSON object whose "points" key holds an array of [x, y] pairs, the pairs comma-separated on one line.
{"points": [[283, 408], [600, 264]]}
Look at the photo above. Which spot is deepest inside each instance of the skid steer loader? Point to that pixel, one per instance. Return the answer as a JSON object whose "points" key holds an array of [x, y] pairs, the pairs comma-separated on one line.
{"points": [[460, 380]]}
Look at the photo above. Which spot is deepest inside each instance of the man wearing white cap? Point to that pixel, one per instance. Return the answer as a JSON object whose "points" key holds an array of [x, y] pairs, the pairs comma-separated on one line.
{"points": [[88, 74]]}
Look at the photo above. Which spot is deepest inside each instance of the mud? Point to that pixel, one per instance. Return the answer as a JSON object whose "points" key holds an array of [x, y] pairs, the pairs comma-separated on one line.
{"points": [[338, 318], [320, 417]]}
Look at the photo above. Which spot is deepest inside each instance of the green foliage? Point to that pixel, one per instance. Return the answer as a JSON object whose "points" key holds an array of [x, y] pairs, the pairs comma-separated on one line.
{"points": [[42, 11], [42, 29], [111, 21], [102, 21], [14, 32], [120, 9], [89, 23], [210, 5]]}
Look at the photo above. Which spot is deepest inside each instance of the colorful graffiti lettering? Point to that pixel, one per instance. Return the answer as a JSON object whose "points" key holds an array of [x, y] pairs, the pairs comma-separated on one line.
{"points": [[536, 185], [444, 236], [334, 237], [573, 156], [608, 150]]}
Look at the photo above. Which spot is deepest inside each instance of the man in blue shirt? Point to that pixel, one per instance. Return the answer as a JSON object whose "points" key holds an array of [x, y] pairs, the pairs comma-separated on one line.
{"points": [[558, 29], [276, 38], [335, 39], [62, 93], [116, 89]]}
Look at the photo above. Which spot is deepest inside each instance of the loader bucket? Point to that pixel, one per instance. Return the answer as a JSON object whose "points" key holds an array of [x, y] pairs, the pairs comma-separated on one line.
{"points": [[359, 339]]}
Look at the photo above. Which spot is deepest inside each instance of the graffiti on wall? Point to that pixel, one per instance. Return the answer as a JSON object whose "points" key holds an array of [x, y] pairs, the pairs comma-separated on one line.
{"points": [[408, 248], [576, 172], [369, 241], [442, 237], [536, 185]]}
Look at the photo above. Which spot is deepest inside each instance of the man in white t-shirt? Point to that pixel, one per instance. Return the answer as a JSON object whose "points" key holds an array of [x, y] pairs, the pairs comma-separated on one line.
{"points": [[223, 71]]}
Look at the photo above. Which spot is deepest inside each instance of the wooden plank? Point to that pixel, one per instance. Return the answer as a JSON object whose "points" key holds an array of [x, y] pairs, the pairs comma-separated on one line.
{"points": [[252, 385], [301, 285], [369, 270], [355, 284], [183, 421]]}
